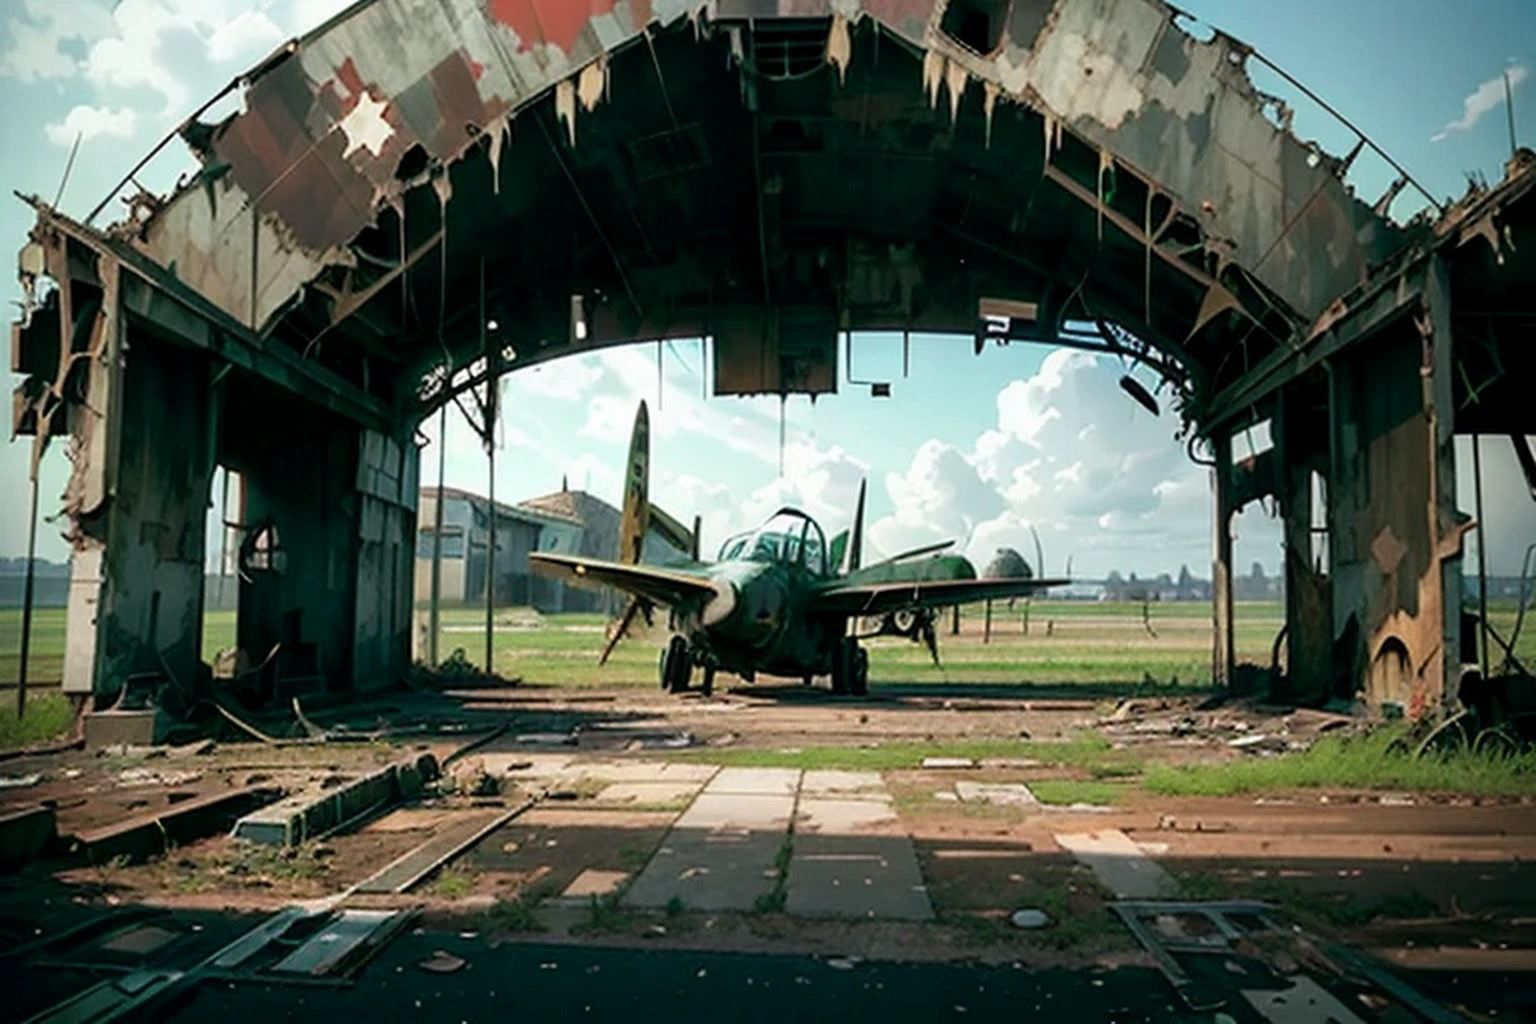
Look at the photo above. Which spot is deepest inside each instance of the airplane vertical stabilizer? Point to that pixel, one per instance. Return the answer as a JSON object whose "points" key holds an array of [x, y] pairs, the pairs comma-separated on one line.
{"points": [[634, 523], [854, 552], [636, 517]]}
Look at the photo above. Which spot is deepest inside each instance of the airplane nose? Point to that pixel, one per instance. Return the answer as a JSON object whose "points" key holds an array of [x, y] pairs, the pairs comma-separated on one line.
{"points": [[719, 607]]}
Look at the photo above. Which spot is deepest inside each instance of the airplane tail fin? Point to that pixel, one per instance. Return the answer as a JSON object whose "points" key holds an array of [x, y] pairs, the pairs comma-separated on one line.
{"points": [[634, 521], [853, 553], [636, 516]]}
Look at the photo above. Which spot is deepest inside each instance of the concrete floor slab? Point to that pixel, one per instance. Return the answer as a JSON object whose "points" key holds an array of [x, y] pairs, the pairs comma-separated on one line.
{"points": [[639, 771], [1012, 794], [518, 764], [755, 781], [843, 817], [735, 812], [647, 792], [593, 882], [868, 785], [1118, 863], [709, 870], [856, 877]]}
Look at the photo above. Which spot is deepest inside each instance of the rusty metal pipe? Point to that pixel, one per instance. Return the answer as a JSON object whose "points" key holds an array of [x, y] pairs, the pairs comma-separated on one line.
{"points": [[1482, 551]]}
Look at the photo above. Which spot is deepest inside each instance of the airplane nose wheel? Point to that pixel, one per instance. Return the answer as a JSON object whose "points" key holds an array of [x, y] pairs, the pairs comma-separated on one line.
{"points": [[676, 665]]}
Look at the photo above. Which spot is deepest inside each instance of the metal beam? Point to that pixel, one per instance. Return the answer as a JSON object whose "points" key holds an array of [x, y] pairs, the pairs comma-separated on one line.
{"points": [[156, 298], [1369, 313]]}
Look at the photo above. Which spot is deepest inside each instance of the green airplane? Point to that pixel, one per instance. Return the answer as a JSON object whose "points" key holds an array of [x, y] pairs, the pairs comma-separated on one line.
{"points": [[779, 600]]}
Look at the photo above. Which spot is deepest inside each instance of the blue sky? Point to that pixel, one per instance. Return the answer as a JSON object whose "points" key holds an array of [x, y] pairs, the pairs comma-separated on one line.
{"points": [[977, 448]]}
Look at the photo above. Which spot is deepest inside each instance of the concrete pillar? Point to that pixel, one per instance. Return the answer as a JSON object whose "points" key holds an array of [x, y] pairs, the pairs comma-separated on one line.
{"points": [[139, 496], [1223, 650]]}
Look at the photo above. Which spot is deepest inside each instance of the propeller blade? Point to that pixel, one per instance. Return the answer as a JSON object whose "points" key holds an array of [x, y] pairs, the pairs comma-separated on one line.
{"points": [[622, 630], [1039, 551]]}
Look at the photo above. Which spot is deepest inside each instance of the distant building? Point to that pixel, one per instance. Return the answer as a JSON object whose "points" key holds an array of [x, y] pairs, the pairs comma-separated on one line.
{"points": [[568, 522]]}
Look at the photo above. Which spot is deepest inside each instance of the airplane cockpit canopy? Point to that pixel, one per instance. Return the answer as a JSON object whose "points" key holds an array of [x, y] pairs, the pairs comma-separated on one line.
{"points": [[789, 537]]}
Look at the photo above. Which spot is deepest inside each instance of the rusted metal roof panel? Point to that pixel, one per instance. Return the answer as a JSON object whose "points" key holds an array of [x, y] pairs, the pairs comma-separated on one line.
{"points": [[318, 151]]}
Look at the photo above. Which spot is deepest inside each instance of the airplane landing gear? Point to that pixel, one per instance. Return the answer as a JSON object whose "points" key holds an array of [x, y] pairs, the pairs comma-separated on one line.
{"points": [[676, 665], [850, 668]]}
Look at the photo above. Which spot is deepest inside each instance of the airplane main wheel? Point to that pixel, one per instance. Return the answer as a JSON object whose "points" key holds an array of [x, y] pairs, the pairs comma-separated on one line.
{"points": [[676, 667], [859, 679], [844, 665]]}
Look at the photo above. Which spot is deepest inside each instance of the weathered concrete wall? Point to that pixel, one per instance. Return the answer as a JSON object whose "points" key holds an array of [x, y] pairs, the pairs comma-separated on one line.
{"points": [[386, 548], [140, 574], [1393, 527]]}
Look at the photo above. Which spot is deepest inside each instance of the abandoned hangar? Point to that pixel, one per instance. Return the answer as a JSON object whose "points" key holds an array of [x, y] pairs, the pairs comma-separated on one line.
{"points": [[414, 200]]}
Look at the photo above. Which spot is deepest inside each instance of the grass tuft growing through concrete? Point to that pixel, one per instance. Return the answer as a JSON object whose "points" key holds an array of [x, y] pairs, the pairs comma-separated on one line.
{"points": [[1374, 761]]}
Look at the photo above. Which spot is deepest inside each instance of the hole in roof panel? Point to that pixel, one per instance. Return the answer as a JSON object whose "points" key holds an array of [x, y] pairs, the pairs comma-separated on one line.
{"points": [[975, 24]]}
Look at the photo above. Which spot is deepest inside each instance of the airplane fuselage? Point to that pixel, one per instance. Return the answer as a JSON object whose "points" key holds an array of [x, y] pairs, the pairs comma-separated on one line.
{"points": [[768, 629]]}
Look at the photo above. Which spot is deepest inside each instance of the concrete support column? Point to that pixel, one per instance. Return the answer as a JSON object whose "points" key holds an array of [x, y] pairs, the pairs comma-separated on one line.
{"points": [[136, 602], [1223, 649]]}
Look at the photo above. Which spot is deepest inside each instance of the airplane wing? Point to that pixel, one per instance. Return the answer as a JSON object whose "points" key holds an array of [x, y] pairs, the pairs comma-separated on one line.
{"points": [[668, 586], [878, 598]]}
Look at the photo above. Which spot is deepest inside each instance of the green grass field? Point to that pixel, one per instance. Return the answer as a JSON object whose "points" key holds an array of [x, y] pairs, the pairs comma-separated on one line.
{"points": [[1069, 642]]}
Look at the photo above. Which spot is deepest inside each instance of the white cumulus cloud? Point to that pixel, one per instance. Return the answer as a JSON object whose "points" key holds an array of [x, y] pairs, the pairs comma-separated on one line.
{"points": [[1487, 97], [87, 122], [1070, 457], [38, 30]]}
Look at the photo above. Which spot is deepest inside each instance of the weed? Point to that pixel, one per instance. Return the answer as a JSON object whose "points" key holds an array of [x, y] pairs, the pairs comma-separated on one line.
{"points": [[770, 902], [453, 885], [1376, 760], [605, 917], [634, 858], [1069, 791], [514, 915], [781, 859], [675, 906]]}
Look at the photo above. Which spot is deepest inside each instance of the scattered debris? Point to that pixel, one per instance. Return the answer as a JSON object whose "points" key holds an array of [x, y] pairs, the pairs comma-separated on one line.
{"points": [[1260, 743], [20, 781], [320, 810], [407, 871], [148, 777], [1252, 950], [674, 742], [1013, 794], [442, 962], [148, 835], [1030, 919], [546, 739], [948, 762]]}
